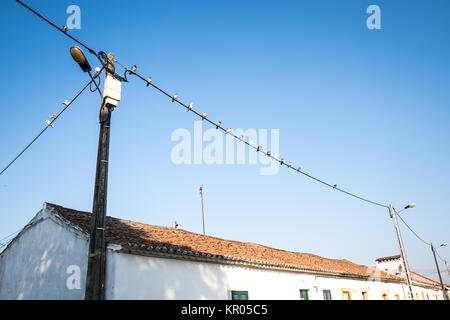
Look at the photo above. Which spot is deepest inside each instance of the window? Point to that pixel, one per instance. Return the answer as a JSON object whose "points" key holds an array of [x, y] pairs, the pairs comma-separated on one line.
{"points": [[346, 295], [365, 295], [385, 296], [304, 294], [239, 295], [417, 296], [327, 295], [396, 296], [428, 298]]}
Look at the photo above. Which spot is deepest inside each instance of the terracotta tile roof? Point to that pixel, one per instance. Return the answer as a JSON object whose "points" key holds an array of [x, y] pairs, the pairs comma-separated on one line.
{"points": [[139, 238], [415, 277], [388, 258]]}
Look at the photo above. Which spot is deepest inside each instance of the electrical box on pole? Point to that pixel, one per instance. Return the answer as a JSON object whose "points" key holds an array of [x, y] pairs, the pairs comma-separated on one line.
{"points": [[112, 90]]}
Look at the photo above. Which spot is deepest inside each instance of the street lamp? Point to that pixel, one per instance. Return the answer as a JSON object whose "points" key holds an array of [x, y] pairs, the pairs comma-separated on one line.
{"points": [[79, 57], [412, 205], [444, 291], [400, 244], [96, 268], [409, 206], [408, 277]]}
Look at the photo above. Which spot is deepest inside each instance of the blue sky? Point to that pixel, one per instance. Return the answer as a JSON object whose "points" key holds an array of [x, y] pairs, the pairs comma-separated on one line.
{"points": [[366, 109]]}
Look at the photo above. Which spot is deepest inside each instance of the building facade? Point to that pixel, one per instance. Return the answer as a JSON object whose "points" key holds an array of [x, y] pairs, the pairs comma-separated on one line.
{"points": [[48, 260]]}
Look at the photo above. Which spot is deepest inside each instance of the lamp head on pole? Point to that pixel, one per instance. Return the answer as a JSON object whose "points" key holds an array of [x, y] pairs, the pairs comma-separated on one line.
{"points": [[79, 57], [412, 205]]}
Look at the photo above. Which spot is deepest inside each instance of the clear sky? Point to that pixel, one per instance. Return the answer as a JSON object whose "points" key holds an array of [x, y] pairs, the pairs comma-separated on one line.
{"points": [[365, 109]]}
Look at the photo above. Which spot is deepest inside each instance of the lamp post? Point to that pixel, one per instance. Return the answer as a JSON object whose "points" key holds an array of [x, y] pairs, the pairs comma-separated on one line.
{"points": [[402, 253], [96, 269], [444, 292]]}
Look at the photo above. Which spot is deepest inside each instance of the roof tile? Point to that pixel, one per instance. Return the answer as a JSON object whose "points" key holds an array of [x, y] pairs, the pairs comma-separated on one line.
{"points": [[129, 233]]}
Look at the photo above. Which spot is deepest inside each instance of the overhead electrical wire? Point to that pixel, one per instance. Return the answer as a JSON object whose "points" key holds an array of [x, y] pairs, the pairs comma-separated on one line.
{"points": [[58, 28], [50, 123], [418, 237], [410, 229], [203, 116], [102, 58], [10, 235], [250, 144]]}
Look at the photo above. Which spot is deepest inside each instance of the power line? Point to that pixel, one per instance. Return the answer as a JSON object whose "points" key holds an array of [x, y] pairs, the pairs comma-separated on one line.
{"points": [[101, 57], [418, 237], [413, 231], [9, 236], [50, 123], [58, 28], [443, 260], [250, 144]]}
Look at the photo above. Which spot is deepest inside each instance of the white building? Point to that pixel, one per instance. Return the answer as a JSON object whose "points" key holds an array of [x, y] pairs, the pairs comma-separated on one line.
{"points": [[48, 260]]}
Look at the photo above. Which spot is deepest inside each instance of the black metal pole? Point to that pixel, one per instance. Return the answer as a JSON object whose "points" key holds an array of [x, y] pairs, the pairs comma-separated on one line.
{"points": [[96, 275]]}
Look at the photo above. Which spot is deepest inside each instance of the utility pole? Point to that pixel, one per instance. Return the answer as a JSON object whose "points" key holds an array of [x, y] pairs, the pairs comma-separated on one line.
{"points": [[444, 292], [96, 275], [402, 253], [203, 213]]}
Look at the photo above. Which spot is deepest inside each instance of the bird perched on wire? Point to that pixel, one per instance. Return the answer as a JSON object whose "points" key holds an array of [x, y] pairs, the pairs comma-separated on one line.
{"points": [[67, 102], [48, 122], [335, 186], [190, 106], [54, 116], [175, 96], [64, 29]]}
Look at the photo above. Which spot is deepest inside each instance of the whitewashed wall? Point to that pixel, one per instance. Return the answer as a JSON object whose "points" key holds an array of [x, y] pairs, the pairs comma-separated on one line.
{"points": [[35, 264], [394, 266], [140, 277]]}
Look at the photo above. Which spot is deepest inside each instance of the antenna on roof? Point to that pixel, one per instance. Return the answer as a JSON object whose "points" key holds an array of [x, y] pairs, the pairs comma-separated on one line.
{"points": [[203, 211]]}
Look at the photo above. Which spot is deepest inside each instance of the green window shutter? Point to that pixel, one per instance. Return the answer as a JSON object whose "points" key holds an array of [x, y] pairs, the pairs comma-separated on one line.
{"points": [[326, 295], [304, 294], [239, 295]]}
